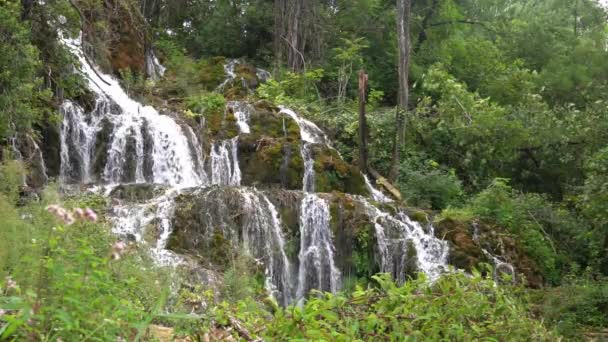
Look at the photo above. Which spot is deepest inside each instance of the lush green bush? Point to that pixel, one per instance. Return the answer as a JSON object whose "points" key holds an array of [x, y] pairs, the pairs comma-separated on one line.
{"points": [[579, 304], [207, 103], [70, 278], [428, 185], [456, 307]]}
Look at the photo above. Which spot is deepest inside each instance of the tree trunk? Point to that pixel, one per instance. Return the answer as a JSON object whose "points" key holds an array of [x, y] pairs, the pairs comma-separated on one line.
{"points": [[403, 40], [294, 57], [362, 122], [279, 24]]}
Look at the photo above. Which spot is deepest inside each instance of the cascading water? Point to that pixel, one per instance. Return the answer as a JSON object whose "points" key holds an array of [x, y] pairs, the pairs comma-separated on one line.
{"points": [[134, 129], [263, 238], [242, 112], [154, 70], [500, 265], [376, 194], [122, 141], [317, 269], [396, 234], [225, 163], [231, 74], [309, 171], [134, 221]]}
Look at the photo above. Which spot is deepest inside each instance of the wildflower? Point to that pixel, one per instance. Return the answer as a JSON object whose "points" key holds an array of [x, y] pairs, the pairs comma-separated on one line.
{"points": [[10, 283], [2, 312], [90, 215], [68, 218], [53, 208], [118, 249], [79, 213]]}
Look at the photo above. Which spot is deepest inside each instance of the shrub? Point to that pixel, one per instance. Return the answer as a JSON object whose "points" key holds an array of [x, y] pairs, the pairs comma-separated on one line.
{"points": [[58, 279], [456, 307]]}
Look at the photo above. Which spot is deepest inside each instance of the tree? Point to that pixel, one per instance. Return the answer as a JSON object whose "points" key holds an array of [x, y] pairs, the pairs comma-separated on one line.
{"points": [[362, 122], [403, 41], [19, 63]]}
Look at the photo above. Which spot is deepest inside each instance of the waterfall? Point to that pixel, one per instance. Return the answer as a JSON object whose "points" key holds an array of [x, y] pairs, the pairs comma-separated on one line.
{"points": [[153, 219], [396, 235], [131, 124], [317, 269], [309, 132], [242, 112], [154, 70], [263, 238], [309, 171], [376, 194], [225, 162], [500, 265], [122, 141]]}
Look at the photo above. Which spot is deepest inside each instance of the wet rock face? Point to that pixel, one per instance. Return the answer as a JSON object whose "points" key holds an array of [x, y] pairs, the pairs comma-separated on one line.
{"points": [[137, 193], [208, 223], [31, 154], [473, 243], [269, 155]]}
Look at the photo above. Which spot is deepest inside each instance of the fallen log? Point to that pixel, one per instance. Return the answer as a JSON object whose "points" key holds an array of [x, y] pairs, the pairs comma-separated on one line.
{"points": [[392, 190]]}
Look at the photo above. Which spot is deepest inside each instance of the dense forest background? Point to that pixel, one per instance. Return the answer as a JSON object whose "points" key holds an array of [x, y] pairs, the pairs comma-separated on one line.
{"points": [[505, 121]]}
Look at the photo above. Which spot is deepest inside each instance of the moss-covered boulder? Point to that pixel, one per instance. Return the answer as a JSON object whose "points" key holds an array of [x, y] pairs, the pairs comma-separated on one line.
{"points": [[137, 193], [472, 243], [332, 173], [269, 156]]}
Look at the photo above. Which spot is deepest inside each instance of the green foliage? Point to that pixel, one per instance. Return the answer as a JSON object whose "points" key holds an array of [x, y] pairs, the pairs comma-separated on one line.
{"points": [[20, 86], [580, 304], [240, 280], [426, 184], [207, 103], [456, 307], [58, 281], [295, 90]]}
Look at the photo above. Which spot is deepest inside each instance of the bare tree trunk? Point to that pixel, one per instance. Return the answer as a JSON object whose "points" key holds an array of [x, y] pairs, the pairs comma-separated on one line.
{"points": [[362, 122], [279, 24], [294, 35], [403, 39]]}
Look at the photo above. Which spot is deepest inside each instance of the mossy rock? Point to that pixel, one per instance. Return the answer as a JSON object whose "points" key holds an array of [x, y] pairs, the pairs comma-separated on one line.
{"points": [[102, 145], [270, 155], [354, 236], [332, 173], [137, 193], [248, 73], [419, 216], [464, 252], [221, 124], [211, 72]]}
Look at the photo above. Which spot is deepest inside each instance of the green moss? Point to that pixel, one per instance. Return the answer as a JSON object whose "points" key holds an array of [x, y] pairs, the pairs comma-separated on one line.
{"points": [[220, 250], [220, 125], [211, 72], [334, 174], [419, 216], [247, 72]]}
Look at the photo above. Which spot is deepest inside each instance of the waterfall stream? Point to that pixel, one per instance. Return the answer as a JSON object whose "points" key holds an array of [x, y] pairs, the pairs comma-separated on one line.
{"points": [[144, 145], [122, 141], [317, 269]]}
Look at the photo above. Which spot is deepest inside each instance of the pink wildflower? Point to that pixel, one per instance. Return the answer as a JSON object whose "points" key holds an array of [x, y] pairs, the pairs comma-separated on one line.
{"points": [[79, 213], [53, 208], [118, 249], [90, 215]]}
